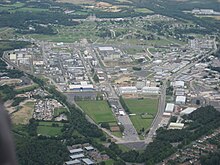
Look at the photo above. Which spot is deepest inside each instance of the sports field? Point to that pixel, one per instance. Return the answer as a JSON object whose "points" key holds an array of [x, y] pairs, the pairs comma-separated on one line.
{"points": [[145, 110], [46, 128], [99, 111]]}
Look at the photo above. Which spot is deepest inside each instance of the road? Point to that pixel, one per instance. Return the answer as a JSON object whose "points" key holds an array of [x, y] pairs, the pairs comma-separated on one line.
{"points": [[156, 122]]}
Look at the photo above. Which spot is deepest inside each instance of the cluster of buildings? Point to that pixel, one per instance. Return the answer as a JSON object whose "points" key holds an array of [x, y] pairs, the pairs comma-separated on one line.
{"points": [[45, 109], [84, 154], [110, 53], [192, 153]]}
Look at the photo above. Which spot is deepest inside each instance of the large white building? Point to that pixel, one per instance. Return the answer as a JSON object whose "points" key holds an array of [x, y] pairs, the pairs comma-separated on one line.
{"points": [[150, 90], [180, 99], [187, 111], [169, 107], [178, 84], [127, 90]]}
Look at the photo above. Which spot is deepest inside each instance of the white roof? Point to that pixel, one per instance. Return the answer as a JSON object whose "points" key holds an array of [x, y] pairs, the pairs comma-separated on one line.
{"points": [[122, 113], [107, 48], [176, 125], [72, 162], [169, 107], [76, 156], [76, 150], [151, 88], [87, 161], [181, 99], [89, 148], [178, 84], [80, 86], [187, 111]]}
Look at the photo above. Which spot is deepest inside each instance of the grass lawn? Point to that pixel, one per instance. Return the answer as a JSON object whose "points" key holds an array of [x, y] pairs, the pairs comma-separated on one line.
{"points": [[109, 162], [48, 131], [58, 111], [139, 107], [99, 111], [46, 128]]}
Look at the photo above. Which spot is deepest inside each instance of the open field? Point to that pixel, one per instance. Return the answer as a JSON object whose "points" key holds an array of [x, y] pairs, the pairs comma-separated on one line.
{"points": [[26, 88], [46, 128], [99, 111], [23, 115], [141, 107]]}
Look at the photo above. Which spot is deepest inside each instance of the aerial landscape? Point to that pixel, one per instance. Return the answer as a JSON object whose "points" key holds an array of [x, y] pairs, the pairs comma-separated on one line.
{"points": [[112, 82]]}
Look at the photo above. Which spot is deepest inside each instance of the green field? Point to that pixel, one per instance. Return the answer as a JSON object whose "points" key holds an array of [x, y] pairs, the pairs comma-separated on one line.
{"points": [[58, 111], [145, 110], [46, 128], [99, 111]]}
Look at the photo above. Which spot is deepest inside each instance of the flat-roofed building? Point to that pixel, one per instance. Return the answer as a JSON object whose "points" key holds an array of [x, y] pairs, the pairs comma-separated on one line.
{"points": [[150, 90], [74, 151], [180, 99], [88, 161], [73, 162], [77, 156], [169, 107], [176, 126], [127, 90]]}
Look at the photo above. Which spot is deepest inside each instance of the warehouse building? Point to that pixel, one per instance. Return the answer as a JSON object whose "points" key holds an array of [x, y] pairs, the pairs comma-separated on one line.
{"points": [[169, 107], [187, 111], [127, 90], [73, 162], [176, 125], [181, 100], [83, 86], [87, 161], [77, 156], [178, 84], [151, 90]]}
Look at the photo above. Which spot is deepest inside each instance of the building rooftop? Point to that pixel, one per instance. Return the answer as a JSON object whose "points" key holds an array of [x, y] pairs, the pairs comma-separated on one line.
{"points": [[89, 148], [88, 161], [77, 156], [72, 151], [169, 107], [72, 162]]}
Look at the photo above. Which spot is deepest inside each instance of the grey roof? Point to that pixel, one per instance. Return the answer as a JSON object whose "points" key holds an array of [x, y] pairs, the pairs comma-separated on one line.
{"points": [[76, 156], [88, 161], [72, 162], [89, 148], [76, 150]]}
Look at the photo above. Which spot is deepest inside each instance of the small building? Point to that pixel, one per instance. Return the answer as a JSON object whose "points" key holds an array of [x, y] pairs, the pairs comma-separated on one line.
{"points": [[187, 111], [77, 156], [73, 162], [88, 161], [180, 99], [89, 148], [121, 113], [176, 126], [169, 107]]}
